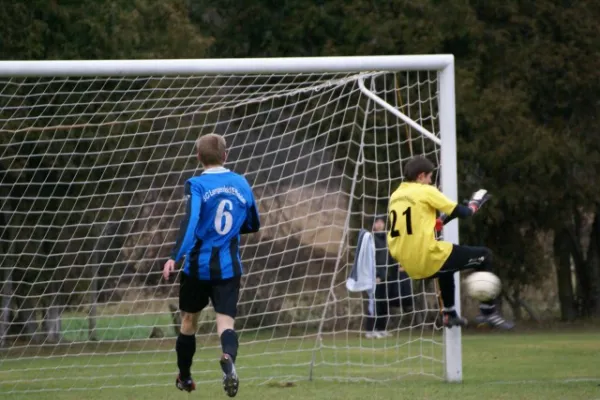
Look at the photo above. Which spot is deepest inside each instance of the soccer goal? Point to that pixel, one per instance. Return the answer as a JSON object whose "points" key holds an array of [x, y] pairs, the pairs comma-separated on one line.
{"points": [[93, 157]]}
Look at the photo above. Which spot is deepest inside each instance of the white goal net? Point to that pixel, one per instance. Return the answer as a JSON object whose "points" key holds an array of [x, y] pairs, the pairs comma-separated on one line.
{"points": [[92, 165]]}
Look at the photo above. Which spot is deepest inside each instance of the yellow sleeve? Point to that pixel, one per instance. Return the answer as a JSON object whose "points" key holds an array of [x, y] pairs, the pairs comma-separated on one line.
{"points": [[439, 201]]}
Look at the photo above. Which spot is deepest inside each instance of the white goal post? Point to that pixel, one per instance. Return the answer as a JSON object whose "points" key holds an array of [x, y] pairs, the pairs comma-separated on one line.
{"points": [[93, 155]]}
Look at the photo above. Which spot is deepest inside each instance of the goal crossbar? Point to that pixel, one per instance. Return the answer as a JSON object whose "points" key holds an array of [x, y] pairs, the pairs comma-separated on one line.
{"points": [[286, 65]]}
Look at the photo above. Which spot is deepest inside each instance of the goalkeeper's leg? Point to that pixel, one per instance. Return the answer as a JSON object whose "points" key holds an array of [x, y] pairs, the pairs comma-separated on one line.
{"points": [[447, 289], [225, 298], [463, 258]]}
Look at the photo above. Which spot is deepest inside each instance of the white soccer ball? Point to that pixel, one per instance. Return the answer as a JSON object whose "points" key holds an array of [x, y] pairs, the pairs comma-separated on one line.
{"points": [[483, 286]]}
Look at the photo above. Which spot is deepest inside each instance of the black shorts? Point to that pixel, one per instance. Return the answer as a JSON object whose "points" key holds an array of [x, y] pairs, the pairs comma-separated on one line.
{"points": [[468, 257], [194, 295]]}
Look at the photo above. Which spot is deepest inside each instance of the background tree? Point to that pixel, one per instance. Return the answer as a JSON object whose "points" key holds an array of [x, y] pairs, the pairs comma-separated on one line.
{"points": [[41, 30], [527, 83], [527, 80]]}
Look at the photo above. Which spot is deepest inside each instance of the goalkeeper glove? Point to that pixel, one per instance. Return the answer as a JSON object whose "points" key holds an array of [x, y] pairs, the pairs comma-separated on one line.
{"points": [[439, 225], [478, 199], [439, 222]]}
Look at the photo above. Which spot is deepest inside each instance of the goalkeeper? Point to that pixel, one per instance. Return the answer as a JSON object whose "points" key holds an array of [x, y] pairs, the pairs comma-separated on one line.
{"points": [[411, 240], [220, 207]]}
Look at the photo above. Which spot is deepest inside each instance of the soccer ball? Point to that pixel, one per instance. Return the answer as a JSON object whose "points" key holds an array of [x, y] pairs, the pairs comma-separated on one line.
{"points": [[483, 286]]}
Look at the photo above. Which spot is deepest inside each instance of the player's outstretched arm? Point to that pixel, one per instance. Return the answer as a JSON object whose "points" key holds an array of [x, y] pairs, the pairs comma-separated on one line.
{"points": [[185, 238], [477, 200]]}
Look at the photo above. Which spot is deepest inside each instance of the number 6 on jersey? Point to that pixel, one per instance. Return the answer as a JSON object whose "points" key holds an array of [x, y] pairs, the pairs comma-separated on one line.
{"points": [[223, 212]]}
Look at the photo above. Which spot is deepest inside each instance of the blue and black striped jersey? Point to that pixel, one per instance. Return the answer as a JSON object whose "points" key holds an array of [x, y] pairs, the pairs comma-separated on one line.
{"points": [[220, 207]]}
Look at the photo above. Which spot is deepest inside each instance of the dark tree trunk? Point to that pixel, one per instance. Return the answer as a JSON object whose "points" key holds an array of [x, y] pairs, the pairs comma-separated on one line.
{"points": [[52, 319], [514, 302], [53, 300], [6, 295], [562, 261], [582, 273], [101, 247], [593, 264], [6, 284], [23, 321]]}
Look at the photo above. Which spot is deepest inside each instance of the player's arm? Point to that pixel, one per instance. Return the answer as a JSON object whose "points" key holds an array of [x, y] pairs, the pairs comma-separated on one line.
{"points": [[185, 238], [252, 223], [460, 211]]}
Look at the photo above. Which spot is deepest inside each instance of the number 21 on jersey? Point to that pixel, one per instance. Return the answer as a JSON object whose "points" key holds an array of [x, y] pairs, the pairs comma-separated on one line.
{"points": [[406, 215]]}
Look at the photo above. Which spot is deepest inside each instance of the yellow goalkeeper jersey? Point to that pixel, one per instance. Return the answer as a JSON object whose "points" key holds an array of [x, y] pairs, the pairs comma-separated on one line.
{"points": [[411, 237]]}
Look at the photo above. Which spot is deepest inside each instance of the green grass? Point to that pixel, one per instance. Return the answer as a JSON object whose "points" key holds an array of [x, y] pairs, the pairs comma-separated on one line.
{"points": [[496, 366], [116, 327]]}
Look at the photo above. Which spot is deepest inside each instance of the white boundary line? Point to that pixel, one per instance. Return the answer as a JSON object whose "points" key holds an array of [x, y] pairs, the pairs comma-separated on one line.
{"points": [[538, 381]]}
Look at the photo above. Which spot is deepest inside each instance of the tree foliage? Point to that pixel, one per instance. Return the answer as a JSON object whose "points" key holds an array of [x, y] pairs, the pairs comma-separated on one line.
{"points": [[90, 29], [36, 175], [527, 79]]}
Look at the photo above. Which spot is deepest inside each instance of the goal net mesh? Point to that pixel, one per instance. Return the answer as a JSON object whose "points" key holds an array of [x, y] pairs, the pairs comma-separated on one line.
{"points": [[91, 197]]}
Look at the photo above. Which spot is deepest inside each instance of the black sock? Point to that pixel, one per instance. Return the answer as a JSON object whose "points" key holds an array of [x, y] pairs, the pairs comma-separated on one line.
{"points": [[185, 348], [446, 282], [487, 307], [450, 311], [229, 343]]}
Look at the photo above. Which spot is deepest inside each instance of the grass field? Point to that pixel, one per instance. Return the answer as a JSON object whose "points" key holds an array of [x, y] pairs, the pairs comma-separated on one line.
{"points": [[531, 366]]}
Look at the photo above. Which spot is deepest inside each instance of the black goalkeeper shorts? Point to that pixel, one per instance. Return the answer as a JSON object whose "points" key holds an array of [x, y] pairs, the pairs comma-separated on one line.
{"points": [[468, 257], [194, 295]]}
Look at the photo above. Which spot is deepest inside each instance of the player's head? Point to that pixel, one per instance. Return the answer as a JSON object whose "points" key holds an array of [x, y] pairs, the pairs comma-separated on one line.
{"points": [[212, 150], [379, 224], [419, 169]]}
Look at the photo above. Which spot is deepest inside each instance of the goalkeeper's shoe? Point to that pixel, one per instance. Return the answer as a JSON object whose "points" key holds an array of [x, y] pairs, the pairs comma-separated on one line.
{"points": [[231, 382], [187, 385], [493, 320], [452, 320]]}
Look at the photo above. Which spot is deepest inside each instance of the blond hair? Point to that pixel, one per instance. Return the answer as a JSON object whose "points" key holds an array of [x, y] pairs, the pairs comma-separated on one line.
{"points": [[212, 149]]}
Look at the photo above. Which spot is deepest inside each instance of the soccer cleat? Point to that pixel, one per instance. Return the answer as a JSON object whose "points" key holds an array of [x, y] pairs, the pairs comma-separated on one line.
{"points": [[187, 385], [451, 321], [493, 320], [231, 382]]}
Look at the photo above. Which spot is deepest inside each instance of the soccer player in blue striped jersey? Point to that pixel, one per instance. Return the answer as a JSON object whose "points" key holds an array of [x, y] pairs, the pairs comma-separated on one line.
{"points": [[220, 207]]}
